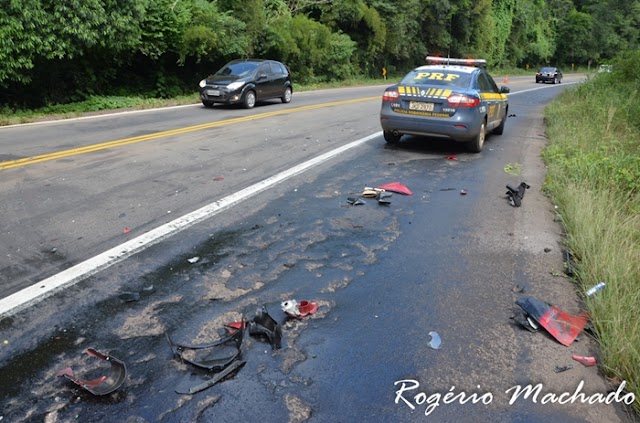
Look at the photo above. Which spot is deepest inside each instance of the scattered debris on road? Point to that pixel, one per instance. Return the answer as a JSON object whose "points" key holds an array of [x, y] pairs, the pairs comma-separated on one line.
{"points": [[356, 201], [396, 187], [102, 385], [193, 259], [185, 387], [516, 195], [559, 369], [451, 157], [562, 326], [435, 342], [264, 325], [298, 310], [586, 361], [215, 356]]}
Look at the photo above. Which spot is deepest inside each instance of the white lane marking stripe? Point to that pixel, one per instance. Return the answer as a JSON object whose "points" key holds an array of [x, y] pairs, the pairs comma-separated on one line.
{"points": [[81, 271], [542, 88]]}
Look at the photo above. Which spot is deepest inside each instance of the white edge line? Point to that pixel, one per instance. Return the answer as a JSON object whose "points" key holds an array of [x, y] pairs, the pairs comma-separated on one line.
{"points": [[114, 114], [47, 287]]}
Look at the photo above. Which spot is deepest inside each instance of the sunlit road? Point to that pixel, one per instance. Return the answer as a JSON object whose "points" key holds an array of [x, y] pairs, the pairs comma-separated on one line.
{"points": [[243, 227]]}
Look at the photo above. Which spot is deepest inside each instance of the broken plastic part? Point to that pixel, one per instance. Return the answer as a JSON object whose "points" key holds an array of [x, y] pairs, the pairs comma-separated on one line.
{"points": [[517, 194], [294, 309], [559, 369], [307, 307], [104, 384], [451, 157], [435, 342], [587, 361], [562, 326], [369, 193], [219, 353], [355, 201], [396, 187], [291, 308], [186, 387], [234, 326], [525, 322], [263, 324]]}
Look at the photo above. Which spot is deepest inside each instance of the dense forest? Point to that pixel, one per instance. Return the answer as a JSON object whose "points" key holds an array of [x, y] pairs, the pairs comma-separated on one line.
{"points": [[56, 51]]}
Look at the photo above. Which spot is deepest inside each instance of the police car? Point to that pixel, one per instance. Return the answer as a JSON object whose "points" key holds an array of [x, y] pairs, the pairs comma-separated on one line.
{"points": [[448, 98]]}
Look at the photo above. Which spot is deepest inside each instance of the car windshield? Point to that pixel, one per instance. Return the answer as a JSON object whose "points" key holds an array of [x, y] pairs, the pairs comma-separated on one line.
{"points": [[548, 70], [240, 69], [442, 77]]}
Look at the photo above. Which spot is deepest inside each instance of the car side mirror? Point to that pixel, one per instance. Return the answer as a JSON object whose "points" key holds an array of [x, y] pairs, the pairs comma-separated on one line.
{"points": [[504, 90]]}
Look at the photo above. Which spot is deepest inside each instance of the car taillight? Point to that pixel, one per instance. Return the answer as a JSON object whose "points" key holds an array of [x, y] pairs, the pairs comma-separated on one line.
{"points": [[461, 100], [390, 95]]}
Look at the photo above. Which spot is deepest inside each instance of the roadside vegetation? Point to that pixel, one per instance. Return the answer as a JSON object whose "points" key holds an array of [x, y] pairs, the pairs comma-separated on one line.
{"points": [[593, 159], [60, 54]]}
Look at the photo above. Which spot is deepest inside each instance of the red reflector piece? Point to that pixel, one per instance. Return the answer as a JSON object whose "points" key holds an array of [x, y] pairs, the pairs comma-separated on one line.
{"points": [[396, 187]]}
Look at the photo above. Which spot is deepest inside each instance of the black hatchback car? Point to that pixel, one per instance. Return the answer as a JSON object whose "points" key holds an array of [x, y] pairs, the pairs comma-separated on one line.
{"points": [[549, 74], [246, 82]]}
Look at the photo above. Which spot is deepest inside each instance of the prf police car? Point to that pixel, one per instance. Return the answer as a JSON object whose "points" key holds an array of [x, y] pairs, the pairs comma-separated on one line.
{"points": [[448, 98]]}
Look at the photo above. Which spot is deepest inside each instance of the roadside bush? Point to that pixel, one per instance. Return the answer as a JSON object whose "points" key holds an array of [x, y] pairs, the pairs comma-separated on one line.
{"points": [[594, 179]]}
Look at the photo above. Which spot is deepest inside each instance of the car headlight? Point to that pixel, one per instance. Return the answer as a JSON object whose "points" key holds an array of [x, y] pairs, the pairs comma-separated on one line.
{"points": [[203, 83], [235, 85]]}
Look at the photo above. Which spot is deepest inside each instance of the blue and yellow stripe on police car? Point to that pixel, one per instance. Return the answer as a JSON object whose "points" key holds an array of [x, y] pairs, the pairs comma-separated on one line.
{"points": [[493, 96], [412, 91]]}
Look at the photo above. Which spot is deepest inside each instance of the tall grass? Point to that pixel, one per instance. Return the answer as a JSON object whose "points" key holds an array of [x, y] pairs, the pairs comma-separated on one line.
{"points": [[593, 158]]}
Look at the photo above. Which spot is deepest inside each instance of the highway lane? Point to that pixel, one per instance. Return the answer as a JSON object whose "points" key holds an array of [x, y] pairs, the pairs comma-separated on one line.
{"points": [[384, 278], [92, 180]]}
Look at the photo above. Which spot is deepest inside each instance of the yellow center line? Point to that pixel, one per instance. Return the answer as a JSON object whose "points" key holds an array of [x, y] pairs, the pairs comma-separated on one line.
{"points": [[132, 140]]}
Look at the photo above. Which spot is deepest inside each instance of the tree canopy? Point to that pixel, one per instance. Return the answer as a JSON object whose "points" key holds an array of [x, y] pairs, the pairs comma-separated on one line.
{"points": [[52, 51]]}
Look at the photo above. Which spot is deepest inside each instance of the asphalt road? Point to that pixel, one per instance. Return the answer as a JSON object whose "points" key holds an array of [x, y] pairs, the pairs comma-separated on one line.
{"points": [[384, 276]]}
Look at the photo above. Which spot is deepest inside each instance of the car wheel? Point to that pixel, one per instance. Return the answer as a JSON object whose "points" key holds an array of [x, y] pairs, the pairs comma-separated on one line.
{"points": [[391, 138], [286, 97], [207, 104], [500, 129], [249, 100], [475, 145], [555, 81]]}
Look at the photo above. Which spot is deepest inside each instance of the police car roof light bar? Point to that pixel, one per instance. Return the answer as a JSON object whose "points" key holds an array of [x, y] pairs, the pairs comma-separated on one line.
{"points": [[435, 60]]}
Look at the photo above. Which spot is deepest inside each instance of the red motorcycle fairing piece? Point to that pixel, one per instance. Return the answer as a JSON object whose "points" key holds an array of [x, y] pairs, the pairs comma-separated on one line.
{"points": [[396, 187], [104, 384], [562, 326]]}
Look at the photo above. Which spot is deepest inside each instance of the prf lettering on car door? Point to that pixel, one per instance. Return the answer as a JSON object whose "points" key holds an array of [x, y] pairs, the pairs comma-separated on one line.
{"points": [[437, 76]]}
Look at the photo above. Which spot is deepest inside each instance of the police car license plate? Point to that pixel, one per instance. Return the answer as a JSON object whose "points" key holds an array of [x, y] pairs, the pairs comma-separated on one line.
{"points": [[421, 105], [214, 93]]}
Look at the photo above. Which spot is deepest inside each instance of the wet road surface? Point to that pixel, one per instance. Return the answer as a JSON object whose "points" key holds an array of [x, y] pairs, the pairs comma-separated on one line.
{"points": [[383, 276]]}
